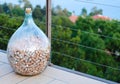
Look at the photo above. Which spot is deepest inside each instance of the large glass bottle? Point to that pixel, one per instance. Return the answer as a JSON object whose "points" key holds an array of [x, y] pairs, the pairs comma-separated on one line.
{"points": [[28, 49]]}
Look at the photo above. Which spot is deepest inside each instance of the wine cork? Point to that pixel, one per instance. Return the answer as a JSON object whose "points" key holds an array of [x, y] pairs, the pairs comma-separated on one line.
{"points": [[28, 10]]}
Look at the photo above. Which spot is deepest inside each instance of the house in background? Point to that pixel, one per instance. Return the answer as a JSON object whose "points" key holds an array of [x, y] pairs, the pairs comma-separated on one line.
{"points": [[101, 17], [73, 18]]}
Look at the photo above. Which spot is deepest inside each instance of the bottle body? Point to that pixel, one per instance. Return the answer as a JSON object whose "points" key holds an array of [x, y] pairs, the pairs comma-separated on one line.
{"points": [[28, 49]]}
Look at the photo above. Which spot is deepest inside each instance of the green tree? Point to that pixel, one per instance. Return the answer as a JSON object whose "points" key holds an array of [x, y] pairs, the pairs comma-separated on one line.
{"points": [[7, 28], [1, 9], [27, 4], [95, 45], [37, 13], [95, 11], [84, 12], [66, 12], [61, 12], [17, 11], [66, 48], [62, 21], [6, 8], [82, 24]]}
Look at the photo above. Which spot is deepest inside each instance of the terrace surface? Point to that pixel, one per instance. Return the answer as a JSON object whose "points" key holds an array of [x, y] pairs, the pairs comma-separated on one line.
{"points": [[52, 75]]}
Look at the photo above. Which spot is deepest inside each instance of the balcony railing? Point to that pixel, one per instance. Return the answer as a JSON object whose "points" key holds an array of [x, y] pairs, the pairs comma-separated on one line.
{"points": [[56, 54]]}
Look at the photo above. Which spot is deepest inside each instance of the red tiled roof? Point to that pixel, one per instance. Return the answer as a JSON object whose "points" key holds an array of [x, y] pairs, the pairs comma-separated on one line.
{"points": [[73, 18], [101, 17]]}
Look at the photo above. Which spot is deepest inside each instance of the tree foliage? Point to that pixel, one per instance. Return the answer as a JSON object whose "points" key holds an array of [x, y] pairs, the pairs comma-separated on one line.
{"points": [[84, 12], [95, 11], [37, 14]]}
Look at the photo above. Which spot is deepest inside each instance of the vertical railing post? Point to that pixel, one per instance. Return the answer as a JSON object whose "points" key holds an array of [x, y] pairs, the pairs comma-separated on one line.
{"points": [[48, 21]]}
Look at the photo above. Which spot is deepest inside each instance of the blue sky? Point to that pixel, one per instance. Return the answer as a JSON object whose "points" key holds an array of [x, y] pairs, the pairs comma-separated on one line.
{"points": [[77, 5]]}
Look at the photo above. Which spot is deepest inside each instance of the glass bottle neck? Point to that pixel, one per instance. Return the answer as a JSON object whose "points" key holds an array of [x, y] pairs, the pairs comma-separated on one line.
{"points": [[28, 18]]}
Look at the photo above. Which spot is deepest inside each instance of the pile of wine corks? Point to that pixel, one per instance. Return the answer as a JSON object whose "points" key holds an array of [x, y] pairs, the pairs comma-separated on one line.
{"points": [[29, 63], [29, 60]]}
